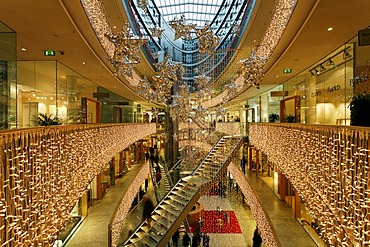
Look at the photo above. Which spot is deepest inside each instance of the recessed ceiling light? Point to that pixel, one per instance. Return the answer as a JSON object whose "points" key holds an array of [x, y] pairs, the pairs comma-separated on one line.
{"points": [[83, 62], [330, 28], [277, 76], [23, 49], [114, 27]]}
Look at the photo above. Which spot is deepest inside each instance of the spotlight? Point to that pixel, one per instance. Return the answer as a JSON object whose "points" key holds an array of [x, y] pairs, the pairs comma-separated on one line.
{"points": [[346, 54], [330, 63], [321, 68]]}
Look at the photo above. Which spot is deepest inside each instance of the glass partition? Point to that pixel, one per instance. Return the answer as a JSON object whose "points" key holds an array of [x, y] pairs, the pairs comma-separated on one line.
{"points": [[53, 89], [322, 92], [7, 78]]}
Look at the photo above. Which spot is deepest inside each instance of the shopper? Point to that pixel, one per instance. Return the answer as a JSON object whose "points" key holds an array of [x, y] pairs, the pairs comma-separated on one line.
{"points": [[257, 240], [175, 238], [148, 210], [186, 240]]}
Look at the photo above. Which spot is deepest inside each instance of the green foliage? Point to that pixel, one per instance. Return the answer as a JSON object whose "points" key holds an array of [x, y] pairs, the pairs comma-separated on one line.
{"points": [[359, 106], [289, 118], [273, 117], [47, 120]]}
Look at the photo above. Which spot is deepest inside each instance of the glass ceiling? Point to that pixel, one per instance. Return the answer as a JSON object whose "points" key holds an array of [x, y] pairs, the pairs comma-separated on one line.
{"points": [[195, 11]]}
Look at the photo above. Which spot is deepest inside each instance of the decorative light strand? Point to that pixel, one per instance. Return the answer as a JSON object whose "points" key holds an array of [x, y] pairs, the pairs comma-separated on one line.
{"points": [[259, 215], [329, 168], [118, 219], [47, 169]]}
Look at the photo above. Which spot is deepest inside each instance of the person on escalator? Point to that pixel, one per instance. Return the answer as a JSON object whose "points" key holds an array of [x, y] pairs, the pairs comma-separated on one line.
{"points": [[186, 240], [148, 210]]}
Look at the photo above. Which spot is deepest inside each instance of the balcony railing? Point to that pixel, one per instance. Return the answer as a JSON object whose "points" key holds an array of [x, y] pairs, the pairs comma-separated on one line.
{"points": [[45, 170], [329, 168]]}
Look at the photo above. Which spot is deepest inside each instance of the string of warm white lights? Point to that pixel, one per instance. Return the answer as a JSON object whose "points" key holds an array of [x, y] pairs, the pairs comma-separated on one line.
{"points": [[279, 20], [46, 170], [259, 215], [229, 128], [118, 219], [329, 168], [95, 12]]}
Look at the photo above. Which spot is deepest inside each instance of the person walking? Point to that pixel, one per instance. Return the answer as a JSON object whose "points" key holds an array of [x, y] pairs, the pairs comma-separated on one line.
{"points": [[257, 240]]}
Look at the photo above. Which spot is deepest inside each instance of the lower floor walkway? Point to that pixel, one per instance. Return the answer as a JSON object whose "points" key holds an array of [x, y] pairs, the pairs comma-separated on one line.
{"points": [[94, 229]]}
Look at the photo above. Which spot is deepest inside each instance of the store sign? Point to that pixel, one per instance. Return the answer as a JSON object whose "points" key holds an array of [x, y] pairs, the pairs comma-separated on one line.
{"points": [[333, 88], [101, 95], [278, 93], [364, 37], [49, 53], [318, 93]]}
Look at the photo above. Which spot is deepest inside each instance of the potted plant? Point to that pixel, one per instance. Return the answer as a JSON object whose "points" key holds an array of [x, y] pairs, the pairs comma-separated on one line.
{"points": [[47, 120], [359, 107], [290, 118], [273, 117]]}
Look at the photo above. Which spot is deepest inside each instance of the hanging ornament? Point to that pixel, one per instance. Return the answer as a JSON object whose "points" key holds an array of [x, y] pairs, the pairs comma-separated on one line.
{"points": [[126, 50]]}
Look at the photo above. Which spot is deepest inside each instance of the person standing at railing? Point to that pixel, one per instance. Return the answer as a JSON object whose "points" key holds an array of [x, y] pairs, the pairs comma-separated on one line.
{"points": [[148, 210]]}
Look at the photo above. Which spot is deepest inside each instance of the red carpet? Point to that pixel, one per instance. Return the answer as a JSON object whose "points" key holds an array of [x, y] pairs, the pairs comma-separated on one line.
{"points": [[219, 222]]}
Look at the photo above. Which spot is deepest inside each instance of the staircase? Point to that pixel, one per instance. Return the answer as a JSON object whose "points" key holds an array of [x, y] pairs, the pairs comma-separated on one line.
{"points": [[175, 206]]}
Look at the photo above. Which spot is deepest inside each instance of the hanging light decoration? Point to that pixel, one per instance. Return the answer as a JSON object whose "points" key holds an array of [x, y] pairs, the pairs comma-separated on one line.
{"points": [[252, 69], [232, 90], [126, 52], [207, 41], [156, 31], [143, 4], [180, 105], [159, 89], [181, 29]]}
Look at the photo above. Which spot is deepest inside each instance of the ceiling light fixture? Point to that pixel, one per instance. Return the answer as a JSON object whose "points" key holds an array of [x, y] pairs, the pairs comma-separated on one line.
{"points": [[330, 29], [23, 49]]}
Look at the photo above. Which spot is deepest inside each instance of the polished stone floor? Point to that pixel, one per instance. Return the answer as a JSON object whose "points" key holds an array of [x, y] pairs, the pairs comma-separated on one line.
{"points": [[94, 229]]}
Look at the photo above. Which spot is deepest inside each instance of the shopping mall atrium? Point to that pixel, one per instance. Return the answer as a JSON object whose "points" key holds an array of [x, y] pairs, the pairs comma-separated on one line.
{"points": [[185, 123]]}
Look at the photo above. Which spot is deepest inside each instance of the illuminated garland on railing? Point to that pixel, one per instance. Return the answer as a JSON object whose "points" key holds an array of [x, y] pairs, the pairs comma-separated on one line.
{"points": [[119, 217], [47, 169], [229, 128], [259, 215], [329, 168]]}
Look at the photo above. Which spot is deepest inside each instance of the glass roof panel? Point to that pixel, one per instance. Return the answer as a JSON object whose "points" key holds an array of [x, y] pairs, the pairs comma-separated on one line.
{"points": [[195, 11]]}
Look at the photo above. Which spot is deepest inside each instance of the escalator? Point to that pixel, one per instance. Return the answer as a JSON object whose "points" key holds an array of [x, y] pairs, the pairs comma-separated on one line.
{"points": [[179, 201]]}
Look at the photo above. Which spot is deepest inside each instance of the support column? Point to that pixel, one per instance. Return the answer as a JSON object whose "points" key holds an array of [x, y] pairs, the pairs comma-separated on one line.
{"points": [[297, 210], [250, 157], [99, 192], [282, 186], [84, 203], [257, 161], [121, 165], [141, 150], [128, 160], [136, 152]]}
